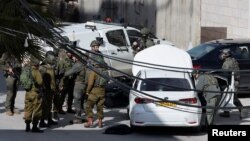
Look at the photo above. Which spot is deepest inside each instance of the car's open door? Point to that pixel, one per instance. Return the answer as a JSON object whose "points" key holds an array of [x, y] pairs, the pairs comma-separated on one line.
{"points": [[227, 97]]}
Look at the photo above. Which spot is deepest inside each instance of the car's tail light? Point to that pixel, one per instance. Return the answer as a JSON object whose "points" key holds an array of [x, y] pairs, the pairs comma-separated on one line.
{"points": [[139, 100], [189, 100], [197, 66]]}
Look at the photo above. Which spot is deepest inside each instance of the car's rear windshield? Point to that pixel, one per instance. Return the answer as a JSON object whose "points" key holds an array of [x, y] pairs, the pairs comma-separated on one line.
{"points": [[201, 50], [165, 84]]}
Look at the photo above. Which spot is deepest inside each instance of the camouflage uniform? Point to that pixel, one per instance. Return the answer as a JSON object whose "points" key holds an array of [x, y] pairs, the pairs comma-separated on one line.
{"points": [[49, 89], [67, 83], [207, 82], [33, 101], [58, 76], [8, 61], [95, 90], [79, 70], [96, 95]]}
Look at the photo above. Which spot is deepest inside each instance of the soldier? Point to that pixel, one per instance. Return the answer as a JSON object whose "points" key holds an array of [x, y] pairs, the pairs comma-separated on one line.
{"points": [[96, 95], [96, 54], [58, 77], [144, 42], [231, 64], [33, 99], [49, 88], [66, 85], [12, 68], [207, 82], [95, 87], [78, 69]]}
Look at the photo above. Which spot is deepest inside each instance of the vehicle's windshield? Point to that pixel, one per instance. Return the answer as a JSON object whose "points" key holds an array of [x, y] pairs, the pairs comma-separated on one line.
{"points": [[201, 50], [165, 84]]}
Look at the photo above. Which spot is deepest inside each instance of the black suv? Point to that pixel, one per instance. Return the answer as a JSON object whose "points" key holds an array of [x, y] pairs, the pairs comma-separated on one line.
{"points": [[206, 56]]}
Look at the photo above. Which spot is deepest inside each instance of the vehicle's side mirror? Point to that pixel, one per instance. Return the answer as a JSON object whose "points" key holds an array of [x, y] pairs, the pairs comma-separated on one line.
{"points": [[100, 40]]}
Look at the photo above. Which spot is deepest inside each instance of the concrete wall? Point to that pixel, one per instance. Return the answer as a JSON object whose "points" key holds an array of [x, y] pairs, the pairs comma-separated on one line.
{"points": [[179, 21], [224, 19], [175, 20]]}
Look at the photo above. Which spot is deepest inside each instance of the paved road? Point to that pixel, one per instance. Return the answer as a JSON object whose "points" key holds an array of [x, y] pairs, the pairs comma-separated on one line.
{"points": [[12, 128]]}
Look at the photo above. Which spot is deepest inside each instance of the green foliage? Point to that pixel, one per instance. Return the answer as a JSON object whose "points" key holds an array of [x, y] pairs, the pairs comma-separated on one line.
{"points": [[15, 16]]}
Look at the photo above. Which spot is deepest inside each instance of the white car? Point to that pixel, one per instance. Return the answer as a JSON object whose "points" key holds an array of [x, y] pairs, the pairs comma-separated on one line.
{"points": [[147, 110]]}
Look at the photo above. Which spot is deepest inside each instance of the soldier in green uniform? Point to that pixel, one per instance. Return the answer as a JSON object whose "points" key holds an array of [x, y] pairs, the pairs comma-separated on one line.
{"points": [[12, 68], [33, 99], [96, 55], [144, 42], [207, 82], [79, 70], [95, 88], [49, 88], [66, 85], [58, 76], [231, 63]]}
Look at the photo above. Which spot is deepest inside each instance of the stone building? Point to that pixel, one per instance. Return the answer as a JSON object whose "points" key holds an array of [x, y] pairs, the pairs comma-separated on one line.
{"points": [[184, 22]]}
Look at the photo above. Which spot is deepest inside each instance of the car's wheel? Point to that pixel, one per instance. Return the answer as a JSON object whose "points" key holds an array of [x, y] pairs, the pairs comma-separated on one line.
{"points": [[133, 127]]}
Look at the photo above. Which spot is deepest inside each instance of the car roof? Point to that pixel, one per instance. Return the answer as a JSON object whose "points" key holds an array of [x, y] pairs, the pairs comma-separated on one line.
{"points": [[99, 26], [162, 56], [230, 41]]}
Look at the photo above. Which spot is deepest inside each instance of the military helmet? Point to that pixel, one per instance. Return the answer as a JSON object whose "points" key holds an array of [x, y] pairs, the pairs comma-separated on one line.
{"points": [[145, 31], [94, 43], [49, 53]]}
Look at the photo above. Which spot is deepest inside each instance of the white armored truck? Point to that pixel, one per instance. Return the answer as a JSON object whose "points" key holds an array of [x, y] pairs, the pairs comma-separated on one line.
{"points": [[115, 39]]}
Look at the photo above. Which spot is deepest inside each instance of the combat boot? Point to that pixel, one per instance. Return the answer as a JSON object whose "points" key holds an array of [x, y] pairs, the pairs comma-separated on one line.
{"points": [[71, 111], [61, 112], [42, 124], [35, 129], [27, 129], [100, 124], [9, 113], [55, 116], [16, 111], [89, 124]]}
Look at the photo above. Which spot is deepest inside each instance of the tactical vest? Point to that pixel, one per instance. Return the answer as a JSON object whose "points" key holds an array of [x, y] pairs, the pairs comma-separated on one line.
{"points": [[210, 81], [81, 76], [233, 66], [101, 81], [49, 76]]}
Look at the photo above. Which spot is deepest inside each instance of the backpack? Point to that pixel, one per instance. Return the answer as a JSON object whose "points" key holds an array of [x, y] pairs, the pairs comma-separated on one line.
{"points": [[26, 79], [101, 81]]}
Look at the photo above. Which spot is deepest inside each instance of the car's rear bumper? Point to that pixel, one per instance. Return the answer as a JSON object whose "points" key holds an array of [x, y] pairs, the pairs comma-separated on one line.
{"points": [[175, 119]]}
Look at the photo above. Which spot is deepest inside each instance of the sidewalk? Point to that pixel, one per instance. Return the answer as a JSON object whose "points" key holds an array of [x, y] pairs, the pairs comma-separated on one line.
{"points": [[12, 127]]}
